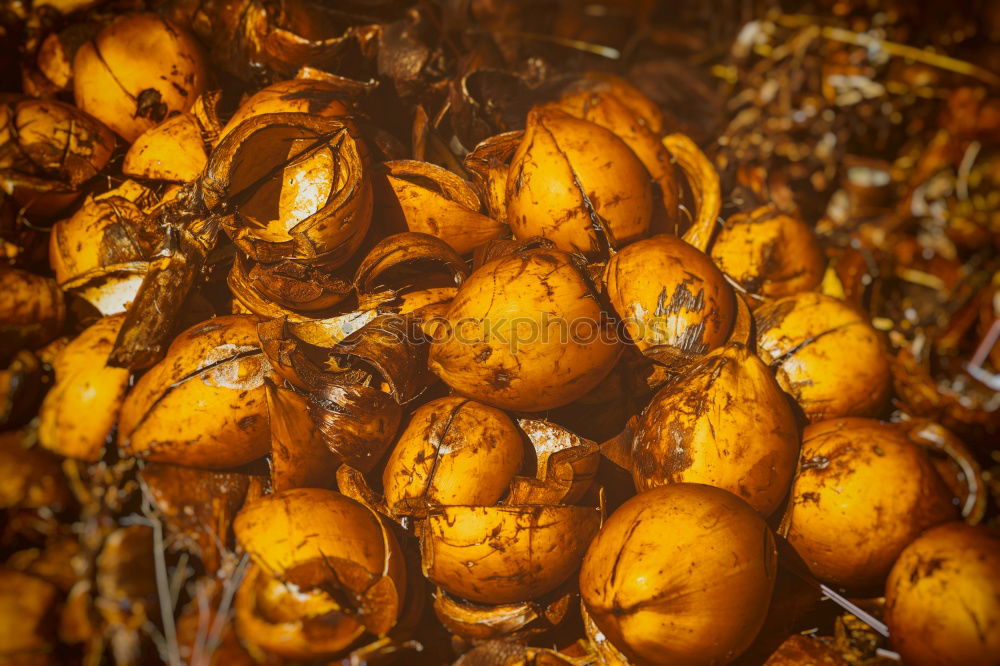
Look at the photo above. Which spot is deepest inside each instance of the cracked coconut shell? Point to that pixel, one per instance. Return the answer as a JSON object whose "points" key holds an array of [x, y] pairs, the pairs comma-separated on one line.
{"points": [[675, 303], [825, 354], [769, 253], [680, 574], [338, 552], [137, 71], [204, 404], [525, 332], [942, 597], [435, 201], [298, 187], [453, 451], [577, 184], [726, 423], [862, 493], [49, 150], [505, 554]]}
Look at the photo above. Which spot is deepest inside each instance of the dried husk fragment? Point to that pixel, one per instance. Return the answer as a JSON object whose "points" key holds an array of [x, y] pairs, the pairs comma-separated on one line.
{"points": [[525, 332], [136, 71], [186, 238], [333, 544], [825, 354], [204, 404], [300, 457], [172, 151], [286, 288], [565, 465], [197, 506], [39, 168], [80, 411], [435, 201], [505, 554], [577, 184], [942, 597], [477, 622], [453, 451], [862, 493], [699, 596], [489, 164], [675, 304], [297, 187], [275, 40], [769, 253], [726, 423], [342, 364], [799, 649]]}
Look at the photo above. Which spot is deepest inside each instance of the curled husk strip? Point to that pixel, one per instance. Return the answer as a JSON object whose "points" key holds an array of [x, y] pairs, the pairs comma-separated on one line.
{"points": [[862, 493], [505, 554], [577, 184], [136, 71], [825, 354], [726, 423], [339, 552], [956, 464], [402, 262], [297, 187], [435, 201], [49, 150], [477, 622], [769, 253], [565, 465], [453, 451], [525, 332], [489, 164], [101, 252], [651, 613], [80, 411], [288, 288], [204, 404]]}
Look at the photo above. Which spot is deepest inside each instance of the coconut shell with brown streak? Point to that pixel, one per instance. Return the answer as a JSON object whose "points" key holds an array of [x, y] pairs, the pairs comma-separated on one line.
{"points": [[862, 493]]}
